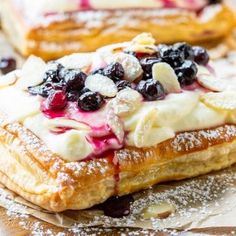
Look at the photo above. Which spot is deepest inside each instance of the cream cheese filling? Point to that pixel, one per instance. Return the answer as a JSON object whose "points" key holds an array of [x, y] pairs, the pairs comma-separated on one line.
{"points": [[144, 124]]}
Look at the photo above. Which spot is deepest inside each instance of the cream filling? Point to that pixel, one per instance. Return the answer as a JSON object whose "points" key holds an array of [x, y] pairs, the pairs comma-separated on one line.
{"points": [[145, 123]]}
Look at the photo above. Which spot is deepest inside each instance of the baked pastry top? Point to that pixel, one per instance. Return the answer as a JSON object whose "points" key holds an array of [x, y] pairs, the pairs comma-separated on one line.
{"points": [[51, 30], [91, 125]]}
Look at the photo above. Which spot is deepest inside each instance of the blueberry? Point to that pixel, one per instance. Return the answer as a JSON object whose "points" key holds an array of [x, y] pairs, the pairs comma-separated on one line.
{"points": [[72, 95], [43, 90], [148, 62], [114, 71], [52, 75], [122, 84], [173, 57], [201, 55], [90, 101], [7, 64], [151, 89], [186, 49], [117, 207], [74, 79], [57, 100], [186, 73], [147, 76]]}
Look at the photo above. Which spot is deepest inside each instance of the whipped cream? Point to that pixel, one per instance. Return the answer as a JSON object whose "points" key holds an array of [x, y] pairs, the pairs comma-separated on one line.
{"points": [[126, 119]]}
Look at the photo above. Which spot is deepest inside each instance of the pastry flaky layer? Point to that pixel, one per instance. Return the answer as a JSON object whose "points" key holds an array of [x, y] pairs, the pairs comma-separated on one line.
{"points": [[34, 172], [54, 35]]}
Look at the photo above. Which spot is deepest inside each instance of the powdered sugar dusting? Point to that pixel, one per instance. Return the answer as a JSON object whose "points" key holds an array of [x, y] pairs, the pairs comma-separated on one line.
{"points": [[188, 141]]}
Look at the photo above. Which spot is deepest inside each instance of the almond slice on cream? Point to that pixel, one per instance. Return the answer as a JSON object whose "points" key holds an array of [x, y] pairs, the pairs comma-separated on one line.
{"points": [[101, 84], [116, 126], [31, 73], [215, 84], [165, 74], [225, 101], [126, 102], [54, 124], [9, 78]]}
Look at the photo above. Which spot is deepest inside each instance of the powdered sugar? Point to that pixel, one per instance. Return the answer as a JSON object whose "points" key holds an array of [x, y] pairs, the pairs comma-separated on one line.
{"points": [[188, 141]]}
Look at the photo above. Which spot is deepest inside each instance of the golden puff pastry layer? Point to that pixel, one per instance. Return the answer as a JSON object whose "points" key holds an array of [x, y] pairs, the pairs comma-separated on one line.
{"points": [[71, 136], [34, 172], [52, 35]]}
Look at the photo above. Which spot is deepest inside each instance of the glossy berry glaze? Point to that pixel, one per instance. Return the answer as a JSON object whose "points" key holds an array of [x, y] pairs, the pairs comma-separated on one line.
{"points": [[101, 137]]}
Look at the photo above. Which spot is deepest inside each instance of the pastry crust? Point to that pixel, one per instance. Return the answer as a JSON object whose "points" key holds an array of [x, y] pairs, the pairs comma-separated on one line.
{"points": [[56, 35], [34, 172]]}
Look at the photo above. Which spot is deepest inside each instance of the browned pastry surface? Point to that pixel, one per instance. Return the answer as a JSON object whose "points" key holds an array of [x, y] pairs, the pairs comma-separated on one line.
{"points": [[34, 172], [57, 35]]}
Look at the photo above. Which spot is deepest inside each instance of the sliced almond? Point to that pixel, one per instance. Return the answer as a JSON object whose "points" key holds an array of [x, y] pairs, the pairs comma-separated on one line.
{"points": [[144, 39], [161, 210], [131, 65], [31, 73], [126, 102], [9, 78], [225, 101], [215, 84], [143, 43], [101, 84], [116, 126], [144, 127], [165, 74], [54, 124], [81, 61]]}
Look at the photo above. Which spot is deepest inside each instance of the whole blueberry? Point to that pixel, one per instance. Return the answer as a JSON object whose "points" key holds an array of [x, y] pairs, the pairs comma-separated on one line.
{"points": [[186, 73], [186, 49], [72, 95], [122, 84], [172, 56], [7, 64], [44, 89], [114, 71], [117, 207], [151, 89], [201, 55], [74, 79], [51, 75], [147, 64], [90, 101]]}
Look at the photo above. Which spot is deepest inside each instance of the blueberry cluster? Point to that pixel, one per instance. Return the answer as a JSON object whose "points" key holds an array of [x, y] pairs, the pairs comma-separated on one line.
{"points": [[181, 57], [115, 72], [7, 64], [61, 85]]}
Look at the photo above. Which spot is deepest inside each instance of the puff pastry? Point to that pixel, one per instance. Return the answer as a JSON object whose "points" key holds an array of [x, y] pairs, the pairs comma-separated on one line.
{"points": [[51, 30], [62, 156]]}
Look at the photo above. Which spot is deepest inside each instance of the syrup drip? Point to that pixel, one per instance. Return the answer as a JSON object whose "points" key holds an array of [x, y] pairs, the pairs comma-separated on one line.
{"points": [[112, 158]]}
